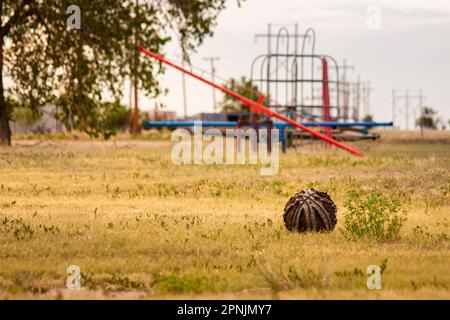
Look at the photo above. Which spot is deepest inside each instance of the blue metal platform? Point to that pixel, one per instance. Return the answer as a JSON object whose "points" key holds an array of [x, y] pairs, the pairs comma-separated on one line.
{"points": [[279, 125]]}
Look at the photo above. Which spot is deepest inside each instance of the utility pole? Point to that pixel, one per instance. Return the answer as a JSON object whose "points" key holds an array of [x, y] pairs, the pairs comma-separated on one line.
{"points": [[134, 114], [393, 109], [421, 100], [357, 99], [366, 97], [130, 111], [183, 84], [269, 52], [213, 73], [136, 105], [406, 109], [407, 97], [345, 87]]}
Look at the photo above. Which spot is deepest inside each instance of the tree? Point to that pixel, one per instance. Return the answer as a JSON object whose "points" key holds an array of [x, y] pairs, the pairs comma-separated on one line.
{"points": [[244, 87], [49, 62], [368, 118], [23, 114], [427, 119], [106, 118]]}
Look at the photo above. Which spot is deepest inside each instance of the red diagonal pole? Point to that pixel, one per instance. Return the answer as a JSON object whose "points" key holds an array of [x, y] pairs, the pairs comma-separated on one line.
{"points": [[328, 131], [255, 105]]}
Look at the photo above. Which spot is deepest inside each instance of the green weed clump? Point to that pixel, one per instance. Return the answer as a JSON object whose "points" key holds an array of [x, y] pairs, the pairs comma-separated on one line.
{"points": [[371, 215], [184, 283], [18, 227]]}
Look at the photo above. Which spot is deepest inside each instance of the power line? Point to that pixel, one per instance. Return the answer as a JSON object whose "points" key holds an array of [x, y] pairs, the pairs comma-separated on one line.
{"points": [[213, 72], [240, 44], [183, 86], [404, 110], [345, 88], [367, 89]]}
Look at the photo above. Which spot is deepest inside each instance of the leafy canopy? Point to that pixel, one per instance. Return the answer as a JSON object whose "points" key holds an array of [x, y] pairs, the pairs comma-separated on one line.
{"points": [[47, 62], [427, 118], [245, 87]]}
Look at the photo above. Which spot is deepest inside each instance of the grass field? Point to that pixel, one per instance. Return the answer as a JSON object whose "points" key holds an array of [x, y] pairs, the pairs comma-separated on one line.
{"points": [[139, 226]]}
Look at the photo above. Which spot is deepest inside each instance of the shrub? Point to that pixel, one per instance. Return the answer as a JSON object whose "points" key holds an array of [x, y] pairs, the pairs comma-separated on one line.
{"points": [[184, 283], [25, 115], [116, 117], [294, 278], [372, 216], [91, 116]]}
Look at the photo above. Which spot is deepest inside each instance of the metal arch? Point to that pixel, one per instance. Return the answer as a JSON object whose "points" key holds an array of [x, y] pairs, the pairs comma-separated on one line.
{"points": [[277, 54], [313, 48], [269, 76], [264, 65], [253, 64], [252, 68], [294, 59], [264, 61]]}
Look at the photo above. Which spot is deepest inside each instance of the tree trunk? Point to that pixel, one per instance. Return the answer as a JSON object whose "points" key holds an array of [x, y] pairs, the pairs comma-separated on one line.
{"points": [[5, 130]]}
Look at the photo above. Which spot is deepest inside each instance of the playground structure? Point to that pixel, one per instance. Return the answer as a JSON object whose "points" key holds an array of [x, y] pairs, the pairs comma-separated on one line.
{"points": [[320, 114], [286, 88], [287, 75]]}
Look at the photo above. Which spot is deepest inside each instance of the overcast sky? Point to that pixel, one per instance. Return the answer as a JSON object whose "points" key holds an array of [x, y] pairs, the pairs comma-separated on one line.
{"points": [[410, 50]]}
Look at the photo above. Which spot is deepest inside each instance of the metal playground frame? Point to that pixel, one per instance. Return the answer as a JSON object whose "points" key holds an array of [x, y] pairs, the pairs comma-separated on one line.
{"points": [[322, 114]]}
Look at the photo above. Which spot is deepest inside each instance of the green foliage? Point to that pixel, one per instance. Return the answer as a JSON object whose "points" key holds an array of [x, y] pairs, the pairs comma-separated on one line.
{"points": [[368, 118], [22, 113], [114, 282], [383, 266], [116, 116], [423, 236], [183, 283], [17, 227], [48, 61], [293, 278], [244, 87], [193, 19], [427, 119], [105, 118], [307, 279], [372, 216], [356, 272]]}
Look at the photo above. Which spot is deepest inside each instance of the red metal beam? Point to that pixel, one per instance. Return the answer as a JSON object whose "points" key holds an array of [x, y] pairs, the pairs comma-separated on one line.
{"points": [[255, 105], [328, 131]]}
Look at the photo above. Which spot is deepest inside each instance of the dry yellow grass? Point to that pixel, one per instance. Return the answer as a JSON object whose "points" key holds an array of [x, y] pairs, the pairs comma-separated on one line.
{"points": [[141, 227]]}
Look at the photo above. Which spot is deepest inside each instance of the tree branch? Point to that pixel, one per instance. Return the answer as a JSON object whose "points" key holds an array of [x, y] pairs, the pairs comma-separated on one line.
{"points": [[18, 14]]}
